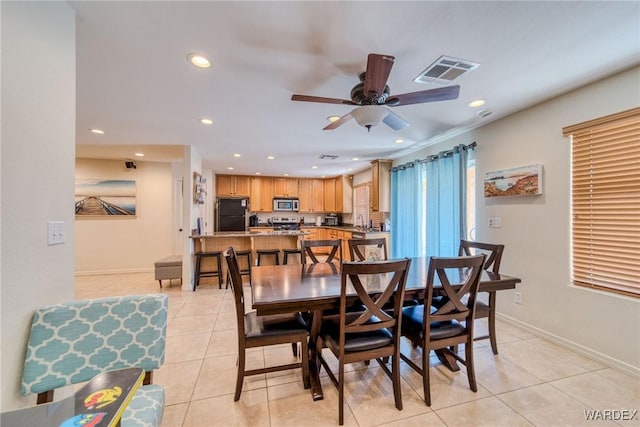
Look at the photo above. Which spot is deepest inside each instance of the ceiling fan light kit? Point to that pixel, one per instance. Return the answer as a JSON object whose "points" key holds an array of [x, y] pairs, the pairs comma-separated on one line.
{"points": [[372, 96]]}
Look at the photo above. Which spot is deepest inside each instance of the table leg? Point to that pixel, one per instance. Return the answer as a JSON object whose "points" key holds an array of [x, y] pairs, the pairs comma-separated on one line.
{"points": [[314, 363], [444, 355]]}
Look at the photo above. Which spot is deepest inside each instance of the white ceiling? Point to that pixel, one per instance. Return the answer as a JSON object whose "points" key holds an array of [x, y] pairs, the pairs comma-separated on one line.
{"points": [[134, 82]]}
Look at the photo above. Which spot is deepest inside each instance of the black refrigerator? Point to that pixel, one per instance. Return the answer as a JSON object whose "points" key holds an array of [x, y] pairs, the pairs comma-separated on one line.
{"points": [[231, 214]]}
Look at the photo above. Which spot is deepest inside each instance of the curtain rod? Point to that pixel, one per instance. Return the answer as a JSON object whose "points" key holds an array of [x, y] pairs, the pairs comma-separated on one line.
{"points": [[435, 156]]}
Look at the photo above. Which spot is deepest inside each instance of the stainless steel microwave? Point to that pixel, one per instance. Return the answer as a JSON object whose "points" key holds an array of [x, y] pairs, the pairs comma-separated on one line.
{"points": [[286, 205]]}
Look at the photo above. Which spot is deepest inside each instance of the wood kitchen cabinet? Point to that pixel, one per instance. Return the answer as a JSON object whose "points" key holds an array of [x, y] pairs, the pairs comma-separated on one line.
{"points": [[380, 185], [311, 195], [285, 187], [232, 185], [330, 195], [261, 195], [344, 194]]}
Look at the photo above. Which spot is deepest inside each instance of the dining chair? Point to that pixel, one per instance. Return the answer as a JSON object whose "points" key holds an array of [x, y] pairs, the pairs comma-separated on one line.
{"points": [[487, 309], [310, 248], [260, 331], [363, 249], [440, 328], [372, 333]]}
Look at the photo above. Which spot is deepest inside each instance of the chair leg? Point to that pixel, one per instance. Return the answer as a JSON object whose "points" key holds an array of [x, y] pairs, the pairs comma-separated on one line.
{"points": [[160, 281], [471, 374], [397, 390], [426, 385], [341, 393], [492, 322], [294, 348], [305, 363], [240, 377]]}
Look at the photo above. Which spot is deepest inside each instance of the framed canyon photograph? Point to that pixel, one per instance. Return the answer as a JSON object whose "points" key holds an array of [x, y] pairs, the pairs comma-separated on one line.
{"points": [[520, 181]]}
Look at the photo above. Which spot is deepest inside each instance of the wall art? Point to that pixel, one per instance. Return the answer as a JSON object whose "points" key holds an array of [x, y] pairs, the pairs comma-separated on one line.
{"points": [[105, 198], [520, 181]]}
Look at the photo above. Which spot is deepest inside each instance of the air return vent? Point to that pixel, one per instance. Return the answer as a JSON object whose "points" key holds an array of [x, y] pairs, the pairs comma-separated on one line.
{"points": [[328, 156], [445, 70]]}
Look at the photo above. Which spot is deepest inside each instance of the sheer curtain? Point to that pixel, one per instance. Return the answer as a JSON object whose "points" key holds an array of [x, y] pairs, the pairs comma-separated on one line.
{"points": [[408, 210], [446, 201]]}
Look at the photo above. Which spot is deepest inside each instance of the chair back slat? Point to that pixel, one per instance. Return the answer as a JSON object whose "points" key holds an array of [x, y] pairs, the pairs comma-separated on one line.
{"points": [[492, 251], [360, 248], [237, 288], [334, 247]]}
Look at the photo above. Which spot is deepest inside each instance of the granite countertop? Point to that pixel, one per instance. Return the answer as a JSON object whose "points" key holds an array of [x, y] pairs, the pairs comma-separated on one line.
{"points": [[251, 234]]}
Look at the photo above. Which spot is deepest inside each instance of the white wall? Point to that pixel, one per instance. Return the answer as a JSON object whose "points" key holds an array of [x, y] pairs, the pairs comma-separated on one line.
{"points": [[38, 144], [536, 229], [122, 244]]}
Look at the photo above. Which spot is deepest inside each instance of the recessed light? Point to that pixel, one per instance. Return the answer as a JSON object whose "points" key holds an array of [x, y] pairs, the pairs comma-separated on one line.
{"points": [[322, 176], [355, 158], [333, 118], [476, 103], [286, 174], [98, 131], [198, 60], [349, 169], [206, 121], [139, 154], [270, 157], [236, 155], [258, 173], [399, 141], [230, 168], [314, 167]]}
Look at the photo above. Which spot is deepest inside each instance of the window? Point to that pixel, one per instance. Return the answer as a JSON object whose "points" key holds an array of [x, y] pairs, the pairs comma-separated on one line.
{"points": [[361, 207], [605, 190]]}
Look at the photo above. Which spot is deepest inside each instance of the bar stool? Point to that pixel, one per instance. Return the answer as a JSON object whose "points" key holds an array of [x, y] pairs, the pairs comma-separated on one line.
{"points": [[209, 273], [243, 272], [288, 252], [267, 252]]}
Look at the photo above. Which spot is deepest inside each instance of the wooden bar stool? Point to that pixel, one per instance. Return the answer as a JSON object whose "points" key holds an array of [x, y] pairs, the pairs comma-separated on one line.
{"points": [[267, 252], [243, 271], [288, 252], [209, 273]]}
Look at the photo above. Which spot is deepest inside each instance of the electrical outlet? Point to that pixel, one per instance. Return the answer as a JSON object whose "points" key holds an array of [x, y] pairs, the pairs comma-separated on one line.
{"points": [[495, 222], [517, 297]]}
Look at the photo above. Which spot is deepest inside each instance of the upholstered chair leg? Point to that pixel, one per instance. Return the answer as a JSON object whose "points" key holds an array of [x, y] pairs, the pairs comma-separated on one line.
{"points": [[240, 377]]}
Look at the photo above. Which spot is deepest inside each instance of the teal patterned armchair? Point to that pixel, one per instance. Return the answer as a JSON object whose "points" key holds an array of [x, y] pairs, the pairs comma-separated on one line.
{"points": [[72, 342]]}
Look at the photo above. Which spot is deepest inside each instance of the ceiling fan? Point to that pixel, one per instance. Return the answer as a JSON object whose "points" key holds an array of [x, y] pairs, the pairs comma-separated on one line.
{"points": [[372, 96]]}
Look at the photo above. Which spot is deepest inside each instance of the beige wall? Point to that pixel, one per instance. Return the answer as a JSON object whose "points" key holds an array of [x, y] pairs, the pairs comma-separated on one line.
{"points": [[38, 144], [535, 229], [119, 245]]}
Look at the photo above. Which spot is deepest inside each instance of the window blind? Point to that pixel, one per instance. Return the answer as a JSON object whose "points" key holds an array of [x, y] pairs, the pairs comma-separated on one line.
{"points": [[606, 202]]}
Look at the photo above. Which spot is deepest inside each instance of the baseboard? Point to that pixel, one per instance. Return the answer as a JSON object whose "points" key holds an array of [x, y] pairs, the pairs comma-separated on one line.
{"points": [[105, 272], [573, 346]]}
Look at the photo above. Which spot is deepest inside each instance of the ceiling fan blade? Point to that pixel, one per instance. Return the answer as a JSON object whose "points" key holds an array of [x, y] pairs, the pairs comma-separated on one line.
{"points": [[429, 95], [378, 69], [394, 121], [323, 100], [342, 120]]}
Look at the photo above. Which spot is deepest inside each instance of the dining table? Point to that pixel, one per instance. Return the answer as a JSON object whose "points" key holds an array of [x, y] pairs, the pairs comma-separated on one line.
{"points": [[314, 288]]}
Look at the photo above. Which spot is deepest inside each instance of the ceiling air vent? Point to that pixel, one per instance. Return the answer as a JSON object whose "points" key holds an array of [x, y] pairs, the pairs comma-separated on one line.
{"points": [[445, 70], [328, 156]]}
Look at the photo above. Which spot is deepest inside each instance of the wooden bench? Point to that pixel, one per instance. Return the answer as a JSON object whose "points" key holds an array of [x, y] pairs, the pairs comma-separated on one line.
{"points": [[168, 268], [71, 343]]}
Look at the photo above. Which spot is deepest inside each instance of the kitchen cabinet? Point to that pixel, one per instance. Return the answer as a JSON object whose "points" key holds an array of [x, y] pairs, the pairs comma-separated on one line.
{"points": [[380, 185], [285, 187], [232, 185], [330, 195], [344, 194], [261, 194], [311, 195]]}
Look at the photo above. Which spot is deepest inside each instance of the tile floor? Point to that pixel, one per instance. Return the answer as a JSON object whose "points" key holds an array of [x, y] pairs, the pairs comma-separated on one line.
{"points": [[531, 382]]}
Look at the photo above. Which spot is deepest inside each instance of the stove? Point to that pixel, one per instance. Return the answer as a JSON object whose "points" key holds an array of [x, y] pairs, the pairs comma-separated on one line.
{"points": [[285, 223]]}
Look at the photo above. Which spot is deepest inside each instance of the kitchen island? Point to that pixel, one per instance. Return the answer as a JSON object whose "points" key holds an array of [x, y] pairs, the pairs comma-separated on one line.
{"points": [[246, 240]]}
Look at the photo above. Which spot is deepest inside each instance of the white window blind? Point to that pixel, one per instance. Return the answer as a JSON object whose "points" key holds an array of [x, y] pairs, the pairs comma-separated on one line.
{"points": [[361, 207], [606, 202]]}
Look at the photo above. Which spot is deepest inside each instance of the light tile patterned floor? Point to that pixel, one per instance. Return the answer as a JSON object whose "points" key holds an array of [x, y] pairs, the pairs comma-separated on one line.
{"points": [[531, 381]]}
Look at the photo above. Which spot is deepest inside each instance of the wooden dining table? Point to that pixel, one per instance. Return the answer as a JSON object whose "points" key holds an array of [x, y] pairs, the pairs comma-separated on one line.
{"points": [[278, 289]]}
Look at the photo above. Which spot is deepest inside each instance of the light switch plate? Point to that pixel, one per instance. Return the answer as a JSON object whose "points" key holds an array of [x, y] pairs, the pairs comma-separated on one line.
{"points": [[55, 232], [495, 222]]}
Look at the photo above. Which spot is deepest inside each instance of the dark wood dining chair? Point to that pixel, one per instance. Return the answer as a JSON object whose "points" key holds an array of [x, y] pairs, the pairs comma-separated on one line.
{"points": [[450, 324], [376, 248], [487, 309], [260, 331], [369, 334], [311, 249]]}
